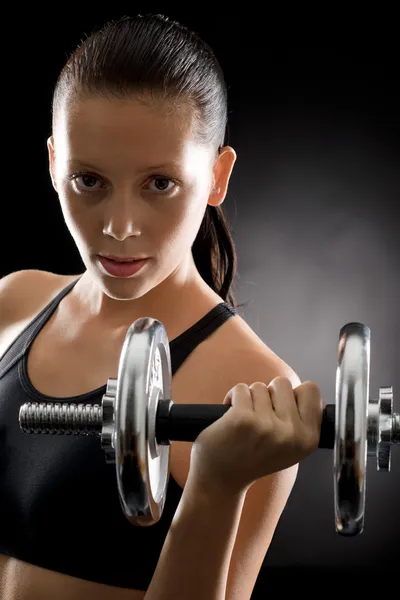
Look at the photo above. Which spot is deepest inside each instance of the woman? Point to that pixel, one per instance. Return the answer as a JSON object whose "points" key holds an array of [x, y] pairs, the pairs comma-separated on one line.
{"points": [[138, 161]]}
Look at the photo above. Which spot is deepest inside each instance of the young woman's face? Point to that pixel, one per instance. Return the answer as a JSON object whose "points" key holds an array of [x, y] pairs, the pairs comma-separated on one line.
{"points": [[133, 183]]}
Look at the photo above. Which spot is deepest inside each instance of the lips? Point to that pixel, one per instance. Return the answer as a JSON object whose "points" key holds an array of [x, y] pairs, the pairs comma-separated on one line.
{"points": [[121, 258], [122, 267]]}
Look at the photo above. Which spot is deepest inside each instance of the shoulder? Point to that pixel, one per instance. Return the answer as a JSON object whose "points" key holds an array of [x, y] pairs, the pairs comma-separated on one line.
{"points": [[233, 354], [25, 288], [23, 294], [17, 281], [253, 357]]}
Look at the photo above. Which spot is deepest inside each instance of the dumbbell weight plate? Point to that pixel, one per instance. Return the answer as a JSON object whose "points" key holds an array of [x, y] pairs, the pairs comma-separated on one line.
{"points": [[351, 442], [144, 377]]}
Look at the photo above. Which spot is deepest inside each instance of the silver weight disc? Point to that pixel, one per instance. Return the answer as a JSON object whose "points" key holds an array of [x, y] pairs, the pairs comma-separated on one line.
{"points": [[351, 443], [144, 377]]}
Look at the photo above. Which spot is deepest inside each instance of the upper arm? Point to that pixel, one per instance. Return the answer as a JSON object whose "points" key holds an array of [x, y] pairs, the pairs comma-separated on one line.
{"points": [[266, 498]]}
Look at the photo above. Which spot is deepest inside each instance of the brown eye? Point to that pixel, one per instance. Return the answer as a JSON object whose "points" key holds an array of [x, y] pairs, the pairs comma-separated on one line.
{"points": [[85, 182], [161, 184], [88, 180]]}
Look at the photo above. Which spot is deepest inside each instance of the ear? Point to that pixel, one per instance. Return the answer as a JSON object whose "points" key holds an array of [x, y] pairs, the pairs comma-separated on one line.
{"points": [[50, 148], [222, 171]]}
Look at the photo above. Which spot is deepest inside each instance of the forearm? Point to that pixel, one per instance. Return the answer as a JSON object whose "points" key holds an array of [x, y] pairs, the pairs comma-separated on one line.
{"points": [[195, 558]]}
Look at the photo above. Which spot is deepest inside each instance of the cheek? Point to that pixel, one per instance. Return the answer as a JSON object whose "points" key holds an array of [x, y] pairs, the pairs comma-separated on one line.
{"points": [[181, 224], [75, 214]]}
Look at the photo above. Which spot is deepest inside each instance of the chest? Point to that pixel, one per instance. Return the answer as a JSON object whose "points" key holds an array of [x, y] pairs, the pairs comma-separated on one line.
{"points": [[61, 364]]}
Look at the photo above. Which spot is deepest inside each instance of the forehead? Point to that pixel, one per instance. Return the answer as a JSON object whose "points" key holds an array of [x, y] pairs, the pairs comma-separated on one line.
{"points": [[98, 129]]}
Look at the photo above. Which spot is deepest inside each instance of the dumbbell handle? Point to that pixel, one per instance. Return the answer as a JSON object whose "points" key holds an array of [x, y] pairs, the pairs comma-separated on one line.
{"points": [[184, 422], [174, 422]]}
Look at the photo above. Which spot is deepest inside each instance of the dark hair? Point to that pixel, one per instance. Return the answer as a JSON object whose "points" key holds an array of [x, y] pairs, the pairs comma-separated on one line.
{"points": [[153, 56]]}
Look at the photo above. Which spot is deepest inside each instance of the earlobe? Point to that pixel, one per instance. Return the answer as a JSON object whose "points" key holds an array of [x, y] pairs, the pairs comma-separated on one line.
{"points": [[50, 148]]}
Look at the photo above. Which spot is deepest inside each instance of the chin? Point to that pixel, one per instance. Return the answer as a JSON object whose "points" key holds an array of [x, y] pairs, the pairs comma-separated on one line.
{"points": [[122, 289]]}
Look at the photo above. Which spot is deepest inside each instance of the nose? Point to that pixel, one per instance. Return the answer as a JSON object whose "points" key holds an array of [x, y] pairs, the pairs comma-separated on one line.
{"points": [[121, 219]]}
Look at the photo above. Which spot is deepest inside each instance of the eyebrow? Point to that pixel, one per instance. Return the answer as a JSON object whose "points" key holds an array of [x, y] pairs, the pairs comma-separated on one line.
{"points": [[87, 165]]}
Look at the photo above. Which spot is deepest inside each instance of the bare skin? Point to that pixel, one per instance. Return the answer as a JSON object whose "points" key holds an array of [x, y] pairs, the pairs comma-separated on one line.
{"points": [[105, 158]]}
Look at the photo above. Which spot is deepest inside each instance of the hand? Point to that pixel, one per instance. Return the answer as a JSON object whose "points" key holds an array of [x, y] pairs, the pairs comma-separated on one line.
{"points": [[269, 428]]}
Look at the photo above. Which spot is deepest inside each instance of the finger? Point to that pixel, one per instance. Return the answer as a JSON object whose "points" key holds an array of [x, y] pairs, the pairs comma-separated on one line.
{"points": [[240, 397], [283, 398], [309, 403], [261, 398]]}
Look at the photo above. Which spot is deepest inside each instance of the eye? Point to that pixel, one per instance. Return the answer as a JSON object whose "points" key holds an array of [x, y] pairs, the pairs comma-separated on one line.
{"points": [[84, 182], [161, 184]]}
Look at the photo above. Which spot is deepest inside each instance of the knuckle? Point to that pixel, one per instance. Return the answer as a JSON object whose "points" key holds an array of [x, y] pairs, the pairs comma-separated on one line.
{"points": [[279, 380], [258, 386], [311, 387], [281, 383], [241, 387]]}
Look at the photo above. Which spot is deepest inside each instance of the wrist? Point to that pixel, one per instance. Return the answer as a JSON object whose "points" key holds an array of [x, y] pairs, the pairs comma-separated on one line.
{"points": [[213, 491]]}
